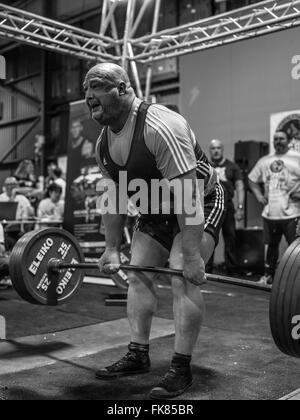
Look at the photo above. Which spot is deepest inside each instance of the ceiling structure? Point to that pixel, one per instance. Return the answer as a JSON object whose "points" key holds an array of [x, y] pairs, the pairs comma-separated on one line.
{"points": [[248, 22]]}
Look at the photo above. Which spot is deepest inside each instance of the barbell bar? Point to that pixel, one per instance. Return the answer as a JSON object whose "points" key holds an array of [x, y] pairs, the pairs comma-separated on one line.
{"points": [[57, 265], [47, 268]]}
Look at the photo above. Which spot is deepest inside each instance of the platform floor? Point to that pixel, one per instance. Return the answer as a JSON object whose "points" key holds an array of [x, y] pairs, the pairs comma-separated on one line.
{"points": [[52, 353]]}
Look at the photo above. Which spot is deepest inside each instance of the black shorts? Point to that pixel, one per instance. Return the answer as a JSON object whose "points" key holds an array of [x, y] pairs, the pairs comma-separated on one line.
{"points": [[275, 229], [165, 230]]}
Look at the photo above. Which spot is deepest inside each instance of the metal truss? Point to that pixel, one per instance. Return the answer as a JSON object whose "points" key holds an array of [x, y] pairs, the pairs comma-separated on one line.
{"points": [[252, 21], [28, 28], [258, 19], [108, 45]]}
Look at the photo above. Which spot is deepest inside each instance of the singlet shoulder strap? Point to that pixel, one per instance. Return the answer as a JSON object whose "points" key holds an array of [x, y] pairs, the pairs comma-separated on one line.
{"points": [[140, 122]]}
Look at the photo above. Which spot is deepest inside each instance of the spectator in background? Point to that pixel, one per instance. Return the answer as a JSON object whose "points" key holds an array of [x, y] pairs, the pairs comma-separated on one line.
{"points": [[50, 176], [59, 180], [52, 207], [28, 181], [10, 193], [4, 267], [24, 211], [275, 182], [25, 174], [232, 180]]}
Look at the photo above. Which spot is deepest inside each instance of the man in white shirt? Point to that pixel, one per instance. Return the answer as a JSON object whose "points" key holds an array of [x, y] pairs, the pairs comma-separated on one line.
{"points": [[24, 210], [52, 207], [279, 174], [58, 179]]}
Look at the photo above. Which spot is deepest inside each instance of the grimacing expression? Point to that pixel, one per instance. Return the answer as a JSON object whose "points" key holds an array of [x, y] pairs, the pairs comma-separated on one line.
{"points": [[102, 98], [281, 142]]}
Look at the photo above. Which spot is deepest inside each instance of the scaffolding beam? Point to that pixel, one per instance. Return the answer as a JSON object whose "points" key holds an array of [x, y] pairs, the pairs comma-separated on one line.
{"points": [[251, 21], [248, 22], [38, 31]]}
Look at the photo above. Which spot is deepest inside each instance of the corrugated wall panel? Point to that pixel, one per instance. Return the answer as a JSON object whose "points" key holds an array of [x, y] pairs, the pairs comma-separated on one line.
{"points": [[6, 139], [5, 97], [26, 148]]}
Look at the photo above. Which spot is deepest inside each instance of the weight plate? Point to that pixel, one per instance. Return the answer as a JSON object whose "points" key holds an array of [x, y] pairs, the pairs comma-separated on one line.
{"points": [[29, 267], [285, 301]]}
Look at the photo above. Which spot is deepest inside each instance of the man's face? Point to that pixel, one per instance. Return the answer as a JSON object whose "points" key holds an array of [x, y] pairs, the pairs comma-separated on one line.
{"points": [[76, 130], [103, 99], [281, 142], [216, 151], [10, 189]]}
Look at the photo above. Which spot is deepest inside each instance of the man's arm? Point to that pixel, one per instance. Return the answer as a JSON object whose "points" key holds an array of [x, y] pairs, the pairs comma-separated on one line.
{"points": [[114, 222], [191, 221], [114, 227], [240, 192], [109, 206], [257, 191]]}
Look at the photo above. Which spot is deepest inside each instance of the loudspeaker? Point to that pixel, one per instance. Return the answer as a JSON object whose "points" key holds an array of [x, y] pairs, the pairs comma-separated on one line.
{"points": [[250, 250], [247, 153]]}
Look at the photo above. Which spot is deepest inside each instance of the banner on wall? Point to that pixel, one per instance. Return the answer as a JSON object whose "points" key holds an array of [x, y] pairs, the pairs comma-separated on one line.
{"points": [[289, 122], [81, 217]]}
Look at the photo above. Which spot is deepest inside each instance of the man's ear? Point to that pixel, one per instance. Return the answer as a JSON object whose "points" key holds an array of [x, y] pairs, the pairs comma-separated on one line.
{"points": [[122, 89]]}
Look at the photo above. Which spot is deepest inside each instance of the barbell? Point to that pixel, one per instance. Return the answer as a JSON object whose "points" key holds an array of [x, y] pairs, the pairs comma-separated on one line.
{"points": [[47, 268]]}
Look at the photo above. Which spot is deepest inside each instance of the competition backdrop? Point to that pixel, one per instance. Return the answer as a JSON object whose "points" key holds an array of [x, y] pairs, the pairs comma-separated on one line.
{"points": [[81, 217]]}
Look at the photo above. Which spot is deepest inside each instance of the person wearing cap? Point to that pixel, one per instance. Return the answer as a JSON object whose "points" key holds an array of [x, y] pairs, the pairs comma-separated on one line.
{"points": [[24, 209]]}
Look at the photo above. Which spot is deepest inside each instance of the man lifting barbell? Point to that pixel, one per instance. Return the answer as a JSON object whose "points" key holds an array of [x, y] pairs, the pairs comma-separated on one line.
{"points": [[47, 267], [150, 142]]}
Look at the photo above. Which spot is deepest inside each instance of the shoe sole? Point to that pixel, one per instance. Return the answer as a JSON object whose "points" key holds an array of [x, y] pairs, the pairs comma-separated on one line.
{"points": [[166, 397], [120, 375]]}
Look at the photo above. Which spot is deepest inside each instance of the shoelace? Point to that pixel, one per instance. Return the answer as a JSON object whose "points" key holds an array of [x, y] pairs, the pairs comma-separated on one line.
{"points": [[169, 376], [129, 357]]}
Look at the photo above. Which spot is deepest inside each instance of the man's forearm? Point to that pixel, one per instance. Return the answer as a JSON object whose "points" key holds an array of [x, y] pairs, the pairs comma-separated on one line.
{"points": [[191, 237], [256, 190], [114, 226], [191, 219], [240, 191]]}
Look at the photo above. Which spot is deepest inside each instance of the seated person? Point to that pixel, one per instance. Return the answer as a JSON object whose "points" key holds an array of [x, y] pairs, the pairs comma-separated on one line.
{"points": [[29, 184], [10, 193], [24, 212], [4, 268], [59, 180], [50, 176], [52, 207], [25, 174]]}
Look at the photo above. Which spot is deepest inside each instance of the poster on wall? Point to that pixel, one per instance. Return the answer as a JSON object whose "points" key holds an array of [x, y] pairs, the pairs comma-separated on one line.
{"points": [[289, 122], [81, 216]]}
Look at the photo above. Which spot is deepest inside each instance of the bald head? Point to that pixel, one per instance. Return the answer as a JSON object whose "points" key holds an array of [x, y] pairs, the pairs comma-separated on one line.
{"points": [[216, 150], [109, 72], [216, 143], [109, 95]]}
